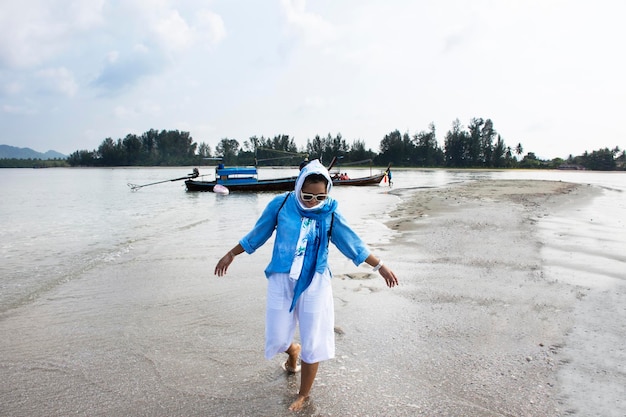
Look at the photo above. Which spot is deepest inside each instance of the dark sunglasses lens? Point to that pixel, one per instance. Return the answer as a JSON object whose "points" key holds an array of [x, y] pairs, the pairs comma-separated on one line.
{"points": [[307, 197]]}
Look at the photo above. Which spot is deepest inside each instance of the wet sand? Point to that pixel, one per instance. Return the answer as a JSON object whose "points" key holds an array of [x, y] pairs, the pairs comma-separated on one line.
{"points": [[476, 328]]}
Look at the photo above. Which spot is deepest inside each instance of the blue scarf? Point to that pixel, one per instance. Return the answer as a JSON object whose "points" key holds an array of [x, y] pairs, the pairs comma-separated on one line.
{"points": [[316, 245]]}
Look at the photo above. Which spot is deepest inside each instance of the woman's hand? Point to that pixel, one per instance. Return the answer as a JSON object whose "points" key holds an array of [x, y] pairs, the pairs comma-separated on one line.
{"points": [[390, 278], [223, 264]]}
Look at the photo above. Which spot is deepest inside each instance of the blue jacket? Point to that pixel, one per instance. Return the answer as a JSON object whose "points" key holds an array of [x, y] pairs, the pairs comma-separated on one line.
{"points": [[288, 232]]}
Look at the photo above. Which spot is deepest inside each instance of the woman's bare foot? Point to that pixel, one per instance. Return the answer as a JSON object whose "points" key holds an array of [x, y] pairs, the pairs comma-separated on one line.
{"points": [[299, 403], [294, 353], [309, 370]]}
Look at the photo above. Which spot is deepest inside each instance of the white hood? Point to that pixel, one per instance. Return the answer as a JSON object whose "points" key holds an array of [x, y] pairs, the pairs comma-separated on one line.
{"points": [[313, 167]]}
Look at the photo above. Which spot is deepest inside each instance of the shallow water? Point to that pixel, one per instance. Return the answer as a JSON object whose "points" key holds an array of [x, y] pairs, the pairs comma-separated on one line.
{"points": [[101, 284], [57, 224]]}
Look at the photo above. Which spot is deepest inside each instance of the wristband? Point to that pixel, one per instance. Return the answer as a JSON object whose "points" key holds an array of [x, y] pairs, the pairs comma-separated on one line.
{"points": [[377, 267], [230, 252]]}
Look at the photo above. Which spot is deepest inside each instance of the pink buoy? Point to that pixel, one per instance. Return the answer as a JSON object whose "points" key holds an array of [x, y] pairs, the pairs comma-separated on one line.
{"points": [[220, 189]]}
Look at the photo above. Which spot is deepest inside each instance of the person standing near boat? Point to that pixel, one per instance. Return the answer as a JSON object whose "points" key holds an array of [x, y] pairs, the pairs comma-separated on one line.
{"points": [[299, 290], [304, 162]]}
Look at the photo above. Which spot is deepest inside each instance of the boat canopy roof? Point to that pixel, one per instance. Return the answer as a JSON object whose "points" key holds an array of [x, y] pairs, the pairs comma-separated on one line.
{"points": [[236, 171]]}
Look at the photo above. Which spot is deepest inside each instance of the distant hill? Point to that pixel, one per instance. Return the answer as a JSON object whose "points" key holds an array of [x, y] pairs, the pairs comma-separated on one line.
{"points": [[12, 152]]}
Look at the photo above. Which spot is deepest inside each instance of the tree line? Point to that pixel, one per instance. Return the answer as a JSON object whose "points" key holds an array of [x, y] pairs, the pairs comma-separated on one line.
{"points": [[33, 163], [478, 145], [153, 148]]}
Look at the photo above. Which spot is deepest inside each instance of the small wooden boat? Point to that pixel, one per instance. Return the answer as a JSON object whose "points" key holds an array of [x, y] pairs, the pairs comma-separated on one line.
{"points": [[371, 180], [241, 179], [246, 179], [343, 179]]}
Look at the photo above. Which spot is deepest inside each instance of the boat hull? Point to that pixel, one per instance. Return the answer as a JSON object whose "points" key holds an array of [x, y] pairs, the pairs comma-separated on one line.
{"points": [[371, 180], [284, 184]]}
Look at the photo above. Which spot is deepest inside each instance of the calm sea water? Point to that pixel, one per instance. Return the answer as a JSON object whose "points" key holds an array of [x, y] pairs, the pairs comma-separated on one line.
{"points": [[57, 224]]}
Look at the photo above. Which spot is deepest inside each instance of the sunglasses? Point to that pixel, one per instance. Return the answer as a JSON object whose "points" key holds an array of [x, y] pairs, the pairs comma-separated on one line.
{"points": [[309, 197]]}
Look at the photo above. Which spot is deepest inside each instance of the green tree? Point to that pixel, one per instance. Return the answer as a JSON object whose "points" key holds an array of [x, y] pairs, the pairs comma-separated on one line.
{"points": [[600, 160], [358, 152], [620, 159], [456, 146], [509, 157], [251, 144], [498, 154], [556, 163], [530, 161], [427, 152], [279, 150], [204, 150], [519, 149], [228, 150], [396, 149], [111, 153], [315, 147], [326, 148], [133, 150], [472, 151], [284, 143], [487, 135], [149, 147], [175, 148], [82, 158], [335, 146]]}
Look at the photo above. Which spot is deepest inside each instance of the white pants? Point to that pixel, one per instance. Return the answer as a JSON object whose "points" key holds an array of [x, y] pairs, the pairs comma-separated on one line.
{"points": [[314, 312]]}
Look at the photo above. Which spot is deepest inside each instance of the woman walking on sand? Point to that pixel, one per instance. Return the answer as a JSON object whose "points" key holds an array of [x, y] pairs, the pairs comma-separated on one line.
{"points": [[299, 290]]}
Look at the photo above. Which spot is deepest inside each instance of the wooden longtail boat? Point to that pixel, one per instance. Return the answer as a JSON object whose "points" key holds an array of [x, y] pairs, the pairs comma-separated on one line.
{"points": [[246, 179], [371, 180], [241, 179]]}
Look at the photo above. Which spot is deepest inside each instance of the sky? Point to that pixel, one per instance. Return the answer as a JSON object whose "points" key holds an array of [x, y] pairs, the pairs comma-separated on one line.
{"points": [[548, 73]]}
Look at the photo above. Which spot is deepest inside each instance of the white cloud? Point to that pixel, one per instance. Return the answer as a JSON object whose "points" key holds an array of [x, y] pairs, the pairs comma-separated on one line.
{"points": [[57, 81], [34, 31], [112, 57], [122, 70], [18, 110], [173, 32], [177, 35], [211, 27], [315, 102], [135, 111], [161, 36], [175, 26], [311, 27], [12, 88], [86, 14]]}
